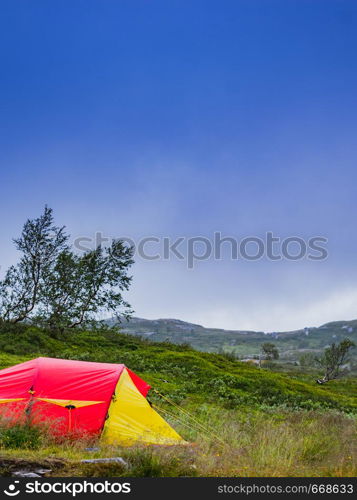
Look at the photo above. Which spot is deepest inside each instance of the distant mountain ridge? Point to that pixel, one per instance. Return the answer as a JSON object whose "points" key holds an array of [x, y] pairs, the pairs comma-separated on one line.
{"points": [[241, 342]]}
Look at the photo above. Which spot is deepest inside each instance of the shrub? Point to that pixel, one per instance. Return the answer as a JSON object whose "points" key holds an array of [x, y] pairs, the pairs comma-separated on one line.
{"points": [[20, 436]]}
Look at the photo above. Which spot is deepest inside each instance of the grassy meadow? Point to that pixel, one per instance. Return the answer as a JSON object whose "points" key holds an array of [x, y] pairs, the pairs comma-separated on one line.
{"points": [[239, 420]]}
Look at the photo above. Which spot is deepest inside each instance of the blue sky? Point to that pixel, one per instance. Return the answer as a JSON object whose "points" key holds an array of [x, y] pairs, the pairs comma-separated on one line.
{"points": [[138, 118]]}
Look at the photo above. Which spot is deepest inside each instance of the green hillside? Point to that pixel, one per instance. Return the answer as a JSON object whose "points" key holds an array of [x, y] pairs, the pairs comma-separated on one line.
{"points": [[242, 419], [291, 344], [180, 370]]}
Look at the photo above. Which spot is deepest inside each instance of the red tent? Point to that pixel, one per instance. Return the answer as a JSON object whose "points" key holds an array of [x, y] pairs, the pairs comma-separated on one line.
{"points": [[83, 397]]}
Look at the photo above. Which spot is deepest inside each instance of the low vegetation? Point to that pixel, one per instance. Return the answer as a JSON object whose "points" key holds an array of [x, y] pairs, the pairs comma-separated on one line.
{"points": [[273, 443], [239, 420]]}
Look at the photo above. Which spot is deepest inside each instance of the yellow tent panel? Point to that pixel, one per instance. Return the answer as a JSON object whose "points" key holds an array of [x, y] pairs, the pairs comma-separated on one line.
{"points": [[70, 402], [11, 400], [131, 419]]}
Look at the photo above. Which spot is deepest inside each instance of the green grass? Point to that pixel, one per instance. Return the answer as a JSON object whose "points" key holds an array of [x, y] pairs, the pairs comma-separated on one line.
{"points": [[271, 423], [270, 444], [181, 372], [20, 437]]}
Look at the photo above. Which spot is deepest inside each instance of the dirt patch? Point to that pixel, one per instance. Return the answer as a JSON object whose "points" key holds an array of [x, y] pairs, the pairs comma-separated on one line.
{"points": [[9, 466]]}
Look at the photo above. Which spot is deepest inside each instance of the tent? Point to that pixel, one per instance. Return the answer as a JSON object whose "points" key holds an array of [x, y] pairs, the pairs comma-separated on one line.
{"points": [[84, 398]]}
